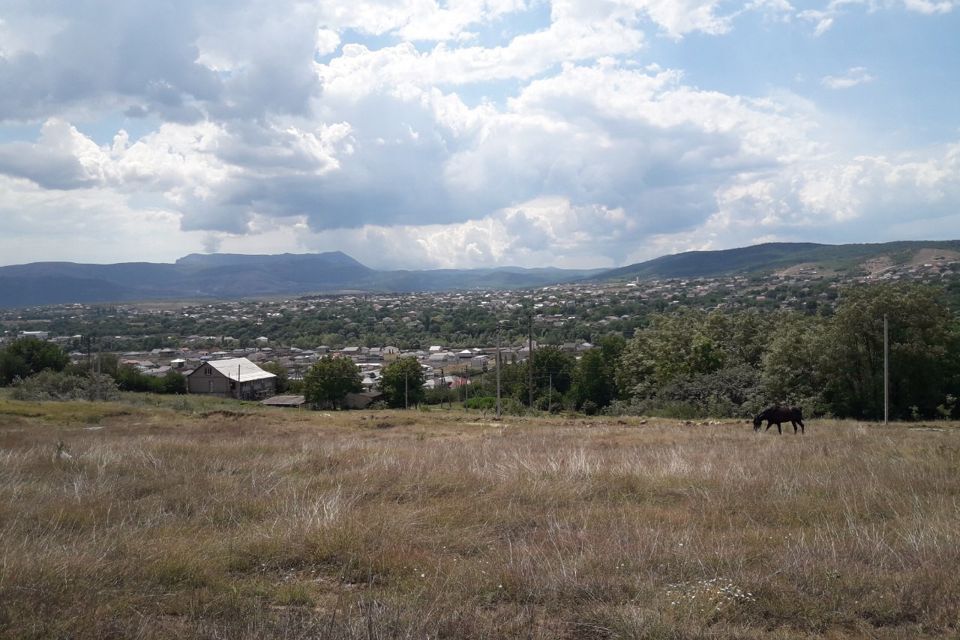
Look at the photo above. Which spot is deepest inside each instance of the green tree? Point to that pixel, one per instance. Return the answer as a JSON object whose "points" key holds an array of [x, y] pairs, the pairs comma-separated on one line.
{"points": [[402, 383], [172, 382], [552, 366], [673, 346], [793, 370], [593, 380], [329, 380], [924, 351], [130, 378], [27, 356]]}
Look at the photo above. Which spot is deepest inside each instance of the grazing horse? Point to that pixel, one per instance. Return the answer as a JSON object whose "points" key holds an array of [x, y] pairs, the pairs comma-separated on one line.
{"points": [[776, 415]]}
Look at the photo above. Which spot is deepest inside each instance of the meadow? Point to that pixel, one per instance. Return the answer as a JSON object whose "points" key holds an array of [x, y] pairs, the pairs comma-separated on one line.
{"points": [[190, 518]]}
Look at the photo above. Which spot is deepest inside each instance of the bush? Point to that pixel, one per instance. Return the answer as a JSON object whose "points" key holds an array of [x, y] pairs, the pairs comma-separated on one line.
{"points": [[28, 356], [52, 385], [131, 379], [484, 403], [440, 396]]}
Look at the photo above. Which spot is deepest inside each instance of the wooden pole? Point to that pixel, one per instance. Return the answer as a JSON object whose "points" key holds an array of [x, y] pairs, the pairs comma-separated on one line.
{"points": [[530, 358], [498, 373], [886, 369]]}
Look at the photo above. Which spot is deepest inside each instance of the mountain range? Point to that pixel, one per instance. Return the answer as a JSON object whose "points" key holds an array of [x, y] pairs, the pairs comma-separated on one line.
{"points": [[225, 276]]}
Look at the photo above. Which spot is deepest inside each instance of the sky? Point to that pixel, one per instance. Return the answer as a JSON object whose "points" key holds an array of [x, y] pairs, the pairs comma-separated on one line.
{"points": [[473, 133]]}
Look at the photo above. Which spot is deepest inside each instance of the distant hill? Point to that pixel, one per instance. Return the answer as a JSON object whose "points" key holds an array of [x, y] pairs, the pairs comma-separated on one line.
{"points": [[777, 256], [227, 276]]}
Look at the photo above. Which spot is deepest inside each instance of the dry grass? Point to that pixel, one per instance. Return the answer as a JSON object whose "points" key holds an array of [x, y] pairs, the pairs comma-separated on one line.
{"points": [[203, 521]]}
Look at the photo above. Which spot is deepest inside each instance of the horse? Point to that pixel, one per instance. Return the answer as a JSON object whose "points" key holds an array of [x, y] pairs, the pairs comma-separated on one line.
{"points": [[776, 415]]}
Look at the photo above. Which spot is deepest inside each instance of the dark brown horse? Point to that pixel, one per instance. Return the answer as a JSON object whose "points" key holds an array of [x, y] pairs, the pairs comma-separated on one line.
{"points": [[777, 415]]}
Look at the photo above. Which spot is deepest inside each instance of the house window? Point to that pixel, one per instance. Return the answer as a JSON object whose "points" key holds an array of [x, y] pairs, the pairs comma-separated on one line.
{"points": [[208, 371]]}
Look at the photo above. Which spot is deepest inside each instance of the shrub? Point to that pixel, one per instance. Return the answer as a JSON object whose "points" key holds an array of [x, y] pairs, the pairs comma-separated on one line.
{"points": [[51, 385], [484, 403]]}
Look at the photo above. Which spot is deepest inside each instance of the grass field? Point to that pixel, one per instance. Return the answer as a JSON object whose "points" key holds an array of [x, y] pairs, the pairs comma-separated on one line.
{"points": [[188, 518]]}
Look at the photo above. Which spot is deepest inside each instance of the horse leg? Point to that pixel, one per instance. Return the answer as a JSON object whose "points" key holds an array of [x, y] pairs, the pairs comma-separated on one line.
{"points": [[801, 426], [793, 422], [769, 424], [779, 430]]}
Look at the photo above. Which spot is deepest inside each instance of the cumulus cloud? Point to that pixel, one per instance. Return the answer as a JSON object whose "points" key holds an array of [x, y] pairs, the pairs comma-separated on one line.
{"points": [[853, 77], [824, 18], [255, 125], [929, 8]]}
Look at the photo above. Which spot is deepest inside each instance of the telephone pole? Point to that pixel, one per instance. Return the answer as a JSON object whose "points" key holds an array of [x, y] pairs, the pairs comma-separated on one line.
{"points": [[550, 392], [406, 391], [498, 372], [886, 369], [530, 356]]}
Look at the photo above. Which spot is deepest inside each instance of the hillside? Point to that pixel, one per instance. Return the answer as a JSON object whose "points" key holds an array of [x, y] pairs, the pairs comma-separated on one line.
{"points": [[228, 276], [232, 276], [776, 256]]}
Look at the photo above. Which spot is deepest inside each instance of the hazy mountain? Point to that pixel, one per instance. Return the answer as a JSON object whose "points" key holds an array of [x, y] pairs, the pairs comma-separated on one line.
{"points": [[776, 256], [236, 276]]}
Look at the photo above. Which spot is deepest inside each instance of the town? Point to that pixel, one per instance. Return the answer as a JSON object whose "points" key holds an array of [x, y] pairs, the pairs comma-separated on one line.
{"points": [[454, 336]]}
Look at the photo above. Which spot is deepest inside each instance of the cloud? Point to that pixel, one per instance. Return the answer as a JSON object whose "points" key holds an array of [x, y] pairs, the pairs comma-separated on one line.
{"points": [[62, 158], [827, 198], [459, 133], [826, 17], [930, 8], [853, 77], [91, 225]]}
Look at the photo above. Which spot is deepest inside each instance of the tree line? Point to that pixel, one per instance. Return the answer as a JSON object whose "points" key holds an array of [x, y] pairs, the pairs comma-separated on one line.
{"points": [[695, 363], [45, 368]]}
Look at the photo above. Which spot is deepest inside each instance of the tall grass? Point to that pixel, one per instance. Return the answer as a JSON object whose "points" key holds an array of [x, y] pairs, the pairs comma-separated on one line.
{"points": [[166, 522]]}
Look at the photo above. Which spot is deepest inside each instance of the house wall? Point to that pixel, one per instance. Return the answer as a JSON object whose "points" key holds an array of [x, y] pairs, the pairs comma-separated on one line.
{"points": [[208, 381], [258, 388]]}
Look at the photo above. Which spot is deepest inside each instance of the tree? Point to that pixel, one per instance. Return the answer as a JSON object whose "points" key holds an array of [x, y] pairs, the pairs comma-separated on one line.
{"points": [[27, 356], [330, 380], [130, 378], [402, 382], [793, 365], [172, 383], [552, 366], [593, 381], [924, 352]]}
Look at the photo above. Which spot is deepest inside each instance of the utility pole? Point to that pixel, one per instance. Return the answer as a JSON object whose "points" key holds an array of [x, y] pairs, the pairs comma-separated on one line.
{"points": [[498, 372], [406, 391], [530, 356], [550, 393], [886, 369]]}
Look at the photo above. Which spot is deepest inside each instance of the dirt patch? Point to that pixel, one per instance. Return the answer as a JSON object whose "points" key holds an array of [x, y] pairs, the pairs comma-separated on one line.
{"points": [[877, 265], [934, 256], [225, 413], [802, 268]]}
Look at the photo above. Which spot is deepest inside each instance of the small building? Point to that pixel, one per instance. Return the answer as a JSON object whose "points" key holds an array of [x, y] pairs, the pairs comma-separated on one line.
{"points": [[232, 378], [361, 400], [287, 402]]}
